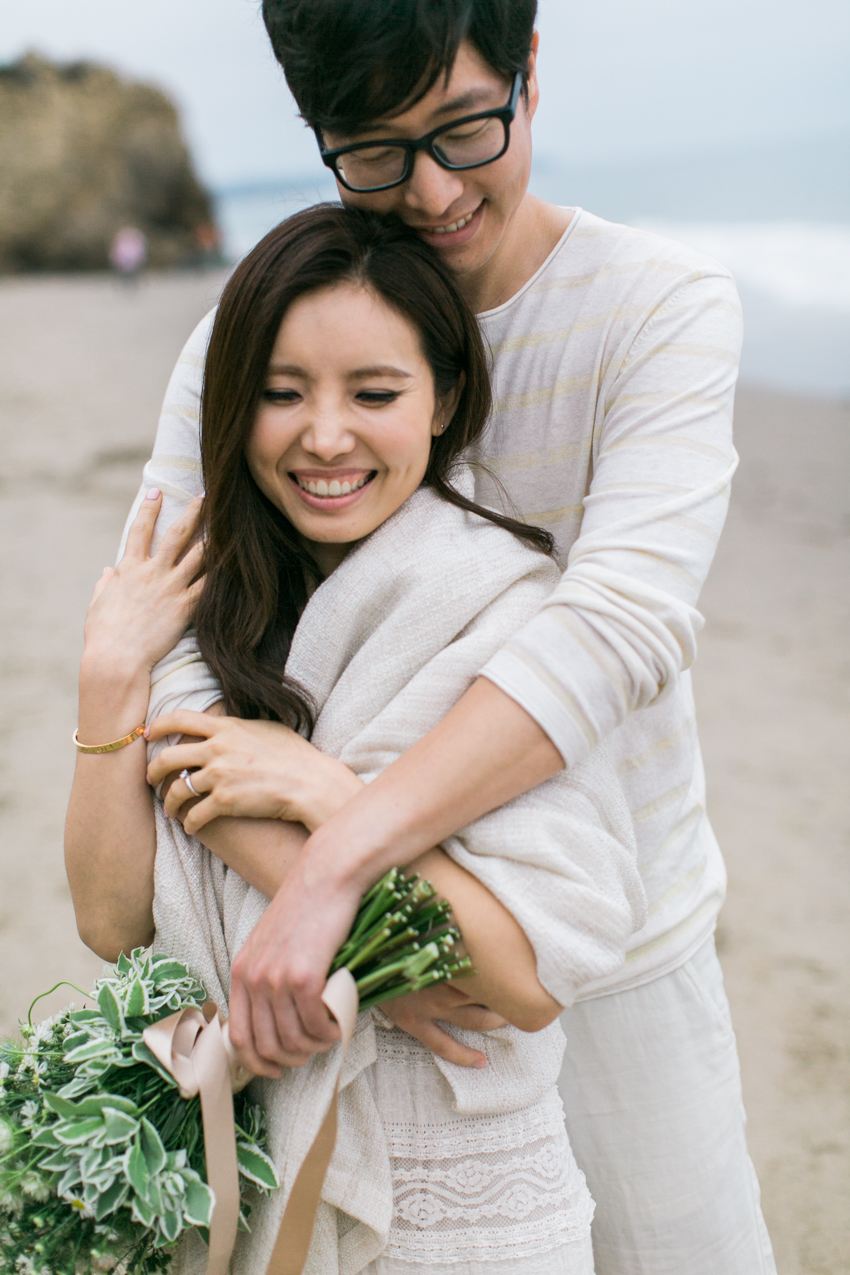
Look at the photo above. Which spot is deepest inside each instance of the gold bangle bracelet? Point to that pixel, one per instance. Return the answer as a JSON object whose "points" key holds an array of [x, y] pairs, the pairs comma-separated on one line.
{"points": [[114, 746]]}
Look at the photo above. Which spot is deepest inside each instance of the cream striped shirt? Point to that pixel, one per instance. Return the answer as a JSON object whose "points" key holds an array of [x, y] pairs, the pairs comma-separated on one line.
{"points": [[614, 374]]}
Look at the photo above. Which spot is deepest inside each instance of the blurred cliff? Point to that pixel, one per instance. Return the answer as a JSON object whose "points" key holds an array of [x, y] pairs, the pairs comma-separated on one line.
{"points": [[83, 153]]}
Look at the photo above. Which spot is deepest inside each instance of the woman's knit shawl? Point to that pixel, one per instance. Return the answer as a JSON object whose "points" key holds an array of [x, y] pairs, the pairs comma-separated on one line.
{"points": [[386, 645]]}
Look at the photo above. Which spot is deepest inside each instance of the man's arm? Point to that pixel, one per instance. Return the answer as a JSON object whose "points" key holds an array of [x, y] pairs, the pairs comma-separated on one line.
{"points": [[247, 770], [484, 752]]}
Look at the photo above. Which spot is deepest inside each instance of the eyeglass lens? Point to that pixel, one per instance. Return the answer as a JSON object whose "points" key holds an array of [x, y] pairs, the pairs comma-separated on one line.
{"points": [[465, 147]]}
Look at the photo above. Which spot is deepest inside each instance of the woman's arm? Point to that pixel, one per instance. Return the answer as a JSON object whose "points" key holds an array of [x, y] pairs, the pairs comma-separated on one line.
{"points": [[505, 968], [137, 613]]}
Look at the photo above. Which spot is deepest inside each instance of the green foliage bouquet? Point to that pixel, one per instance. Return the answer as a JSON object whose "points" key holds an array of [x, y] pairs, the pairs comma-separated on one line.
{"points": [[101, 1159]]}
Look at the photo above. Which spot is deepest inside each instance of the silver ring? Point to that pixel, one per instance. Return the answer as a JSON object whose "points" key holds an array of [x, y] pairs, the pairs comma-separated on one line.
{"points": [[187, 779]]}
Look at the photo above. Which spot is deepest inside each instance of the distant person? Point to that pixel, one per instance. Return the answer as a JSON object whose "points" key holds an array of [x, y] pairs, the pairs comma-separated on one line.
{"points": [[128, 252], [208, 244], [615, 355]]}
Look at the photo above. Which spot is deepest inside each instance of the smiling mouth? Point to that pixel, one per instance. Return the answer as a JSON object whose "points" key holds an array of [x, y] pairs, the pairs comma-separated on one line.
{"points": [[453, 227], [332, 489]]}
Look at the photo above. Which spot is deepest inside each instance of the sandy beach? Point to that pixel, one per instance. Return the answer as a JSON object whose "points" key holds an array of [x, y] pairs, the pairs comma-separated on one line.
{"points": [[84, 365]]}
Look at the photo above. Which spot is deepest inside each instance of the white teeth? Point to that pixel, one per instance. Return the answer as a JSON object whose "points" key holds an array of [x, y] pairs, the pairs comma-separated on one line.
{"points": [[455, 225], [333, 488]]}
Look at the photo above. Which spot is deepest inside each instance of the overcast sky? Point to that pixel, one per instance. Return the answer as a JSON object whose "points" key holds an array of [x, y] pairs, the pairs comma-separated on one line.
{"points": [[620, 78]]}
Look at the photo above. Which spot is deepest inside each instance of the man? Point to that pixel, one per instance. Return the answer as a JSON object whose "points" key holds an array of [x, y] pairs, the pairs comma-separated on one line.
{"points": [[615, 355]]}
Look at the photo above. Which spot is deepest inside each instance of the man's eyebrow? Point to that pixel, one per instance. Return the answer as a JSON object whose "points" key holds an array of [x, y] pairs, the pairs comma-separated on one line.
{"points": [[467, 102], [464, 104]]}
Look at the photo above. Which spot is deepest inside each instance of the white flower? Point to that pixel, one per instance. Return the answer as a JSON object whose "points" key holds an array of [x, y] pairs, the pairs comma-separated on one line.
{"points": [[76, 1202], [4, 1070], [29, 1111], [35, 1186], [24, 1265], [28, 1061], [11, 1203], [7, 1136]]}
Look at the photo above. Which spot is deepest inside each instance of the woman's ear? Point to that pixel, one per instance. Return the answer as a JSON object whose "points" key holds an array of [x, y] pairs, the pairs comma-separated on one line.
{"points": [[447, 406]]}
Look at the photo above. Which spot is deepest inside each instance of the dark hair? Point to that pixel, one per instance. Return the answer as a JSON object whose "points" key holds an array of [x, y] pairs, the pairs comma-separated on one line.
{"points": [[257, 569], [351, 61]]}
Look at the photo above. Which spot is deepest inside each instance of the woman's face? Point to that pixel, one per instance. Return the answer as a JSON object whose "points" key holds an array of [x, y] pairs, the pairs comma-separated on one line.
{"points": [[343, 432]]}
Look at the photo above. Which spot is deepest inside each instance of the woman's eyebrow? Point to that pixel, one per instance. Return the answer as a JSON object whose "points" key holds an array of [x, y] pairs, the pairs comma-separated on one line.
{"points": [[286, 369], [380, 369]]}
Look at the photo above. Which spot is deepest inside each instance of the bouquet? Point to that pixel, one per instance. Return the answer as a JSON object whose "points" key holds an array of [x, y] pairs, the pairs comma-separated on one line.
{"points": [[101, 1159]]}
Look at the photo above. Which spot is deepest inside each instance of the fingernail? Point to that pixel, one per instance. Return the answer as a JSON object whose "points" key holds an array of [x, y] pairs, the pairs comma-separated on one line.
{"points": [[147, 732], [105, 572], [479, 1063], [153, 494]]}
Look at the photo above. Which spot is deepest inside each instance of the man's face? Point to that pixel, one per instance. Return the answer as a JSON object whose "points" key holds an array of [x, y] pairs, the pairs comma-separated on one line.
{"points": [[463, 215]]}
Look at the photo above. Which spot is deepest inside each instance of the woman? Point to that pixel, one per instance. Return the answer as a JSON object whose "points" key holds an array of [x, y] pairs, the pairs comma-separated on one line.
{"points": [[353, 590]]}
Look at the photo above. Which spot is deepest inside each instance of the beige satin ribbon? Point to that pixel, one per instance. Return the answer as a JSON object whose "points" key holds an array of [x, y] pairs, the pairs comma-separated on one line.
{"points": [[194, 1047], [296, 1227]]}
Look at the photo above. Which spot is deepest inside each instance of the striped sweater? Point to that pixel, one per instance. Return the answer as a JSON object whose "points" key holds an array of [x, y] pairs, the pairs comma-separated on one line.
{"points": [[614, 371]]}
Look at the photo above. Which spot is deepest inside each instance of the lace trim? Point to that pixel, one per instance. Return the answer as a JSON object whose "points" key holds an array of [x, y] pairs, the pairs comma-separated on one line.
{"points": [[516, 1199], [465, 1135], [467, 1188]]}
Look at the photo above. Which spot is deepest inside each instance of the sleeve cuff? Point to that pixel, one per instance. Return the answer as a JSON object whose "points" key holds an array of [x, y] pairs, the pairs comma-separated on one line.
{"points": [[513, 677]]}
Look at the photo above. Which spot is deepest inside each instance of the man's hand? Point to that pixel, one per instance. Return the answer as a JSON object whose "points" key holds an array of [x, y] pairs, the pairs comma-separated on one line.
{"points": [[277, 1017]]}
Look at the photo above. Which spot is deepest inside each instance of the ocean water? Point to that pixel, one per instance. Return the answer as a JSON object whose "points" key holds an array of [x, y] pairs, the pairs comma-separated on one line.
{"points": [[793, 277], [246, 213]]}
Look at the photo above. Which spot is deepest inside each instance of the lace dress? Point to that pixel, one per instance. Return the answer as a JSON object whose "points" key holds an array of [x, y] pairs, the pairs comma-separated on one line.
{"points": [[474, 1194]]}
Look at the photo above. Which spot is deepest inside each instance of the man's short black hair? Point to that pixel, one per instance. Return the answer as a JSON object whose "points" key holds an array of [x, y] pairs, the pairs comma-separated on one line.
{"points": [[348, 62]]}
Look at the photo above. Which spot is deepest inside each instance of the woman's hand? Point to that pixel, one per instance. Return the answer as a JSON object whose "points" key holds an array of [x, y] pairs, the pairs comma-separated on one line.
{"points": [[259, 770], [421, 1013], [142, 607], [138, 612]]}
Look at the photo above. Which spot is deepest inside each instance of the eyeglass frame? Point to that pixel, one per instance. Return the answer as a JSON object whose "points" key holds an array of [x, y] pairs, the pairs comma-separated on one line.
{"points": [[505, 113]]}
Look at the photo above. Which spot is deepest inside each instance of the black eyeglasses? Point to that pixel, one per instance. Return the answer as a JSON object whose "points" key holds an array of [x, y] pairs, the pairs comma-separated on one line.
{"points": [[469, 142]]}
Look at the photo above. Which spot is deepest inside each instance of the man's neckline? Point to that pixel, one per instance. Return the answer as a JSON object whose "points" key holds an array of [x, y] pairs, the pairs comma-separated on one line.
{"points": [[574, 219]]}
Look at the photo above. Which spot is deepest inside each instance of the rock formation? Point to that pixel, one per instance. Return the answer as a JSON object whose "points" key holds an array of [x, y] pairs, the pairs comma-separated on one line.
{"points": [[84, 152]]}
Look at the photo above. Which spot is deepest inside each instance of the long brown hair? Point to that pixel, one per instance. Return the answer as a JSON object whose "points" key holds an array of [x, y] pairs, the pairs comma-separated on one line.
{"points": [[257, 569]]}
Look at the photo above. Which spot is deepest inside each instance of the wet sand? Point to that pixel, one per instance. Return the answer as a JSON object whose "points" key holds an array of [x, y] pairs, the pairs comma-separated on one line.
{"points": [[84, 366]]}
